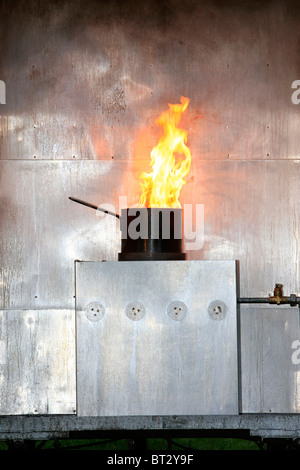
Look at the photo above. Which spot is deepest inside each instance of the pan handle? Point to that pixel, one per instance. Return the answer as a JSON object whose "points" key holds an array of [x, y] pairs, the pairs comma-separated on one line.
{"points": [[92, 206]]}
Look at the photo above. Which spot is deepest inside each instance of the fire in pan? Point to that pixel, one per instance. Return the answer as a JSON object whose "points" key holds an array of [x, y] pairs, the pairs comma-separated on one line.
{"points": [[153, 230]]}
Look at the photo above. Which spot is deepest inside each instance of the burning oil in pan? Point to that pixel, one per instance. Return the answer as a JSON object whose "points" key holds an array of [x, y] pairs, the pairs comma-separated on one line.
{"points": [[154, 231]]}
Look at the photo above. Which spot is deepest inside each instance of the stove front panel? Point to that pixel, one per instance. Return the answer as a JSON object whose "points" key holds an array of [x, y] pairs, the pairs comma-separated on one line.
{"points": [[156, 338]]}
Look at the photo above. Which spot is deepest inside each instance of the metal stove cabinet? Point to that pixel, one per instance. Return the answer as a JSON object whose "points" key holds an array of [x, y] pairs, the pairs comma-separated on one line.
{"points": [[156, 338]]}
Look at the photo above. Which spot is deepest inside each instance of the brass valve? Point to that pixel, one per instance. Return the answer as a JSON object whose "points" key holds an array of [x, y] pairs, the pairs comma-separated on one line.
{"points": [[278, 297]]}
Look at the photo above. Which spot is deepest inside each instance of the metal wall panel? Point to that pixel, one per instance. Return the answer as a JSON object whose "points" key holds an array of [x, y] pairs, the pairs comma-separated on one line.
{"points": [[37, 362], [250, 214], [43, 232], [156, 338], [270, 377], [88, 81]]}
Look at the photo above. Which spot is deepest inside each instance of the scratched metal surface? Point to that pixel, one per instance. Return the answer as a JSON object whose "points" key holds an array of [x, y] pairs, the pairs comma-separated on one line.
{"points": [[37, 362], [270, 381], [250, 214], [88, 81], [152, 339], [84, 84]]}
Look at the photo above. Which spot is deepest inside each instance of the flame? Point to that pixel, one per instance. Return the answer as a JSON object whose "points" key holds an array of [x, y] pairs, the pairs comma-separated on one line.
{"points": [[170, 161]]}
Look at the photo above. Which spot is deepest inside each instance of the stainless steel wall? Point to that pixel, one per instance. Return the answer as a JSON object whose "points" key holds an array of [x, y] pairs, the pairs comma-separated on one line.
{"points": [[84, 84]]}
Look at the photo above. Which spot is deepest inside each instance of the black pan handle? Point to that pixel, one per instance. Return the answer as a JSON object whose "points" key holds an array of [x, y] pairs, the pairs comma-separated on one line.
{"points": [[92, 206]]}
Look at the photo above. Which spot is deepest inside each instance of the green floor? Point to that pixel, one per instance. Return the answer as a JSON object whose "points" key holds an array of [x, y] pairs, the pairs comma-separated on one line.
{"points": [[152, 444]]}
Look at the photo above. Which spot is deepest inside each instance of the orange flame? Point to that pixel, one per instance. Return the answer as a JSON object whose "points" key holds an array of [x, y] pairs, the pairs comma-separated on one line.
{"points": [[170, 161]]}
